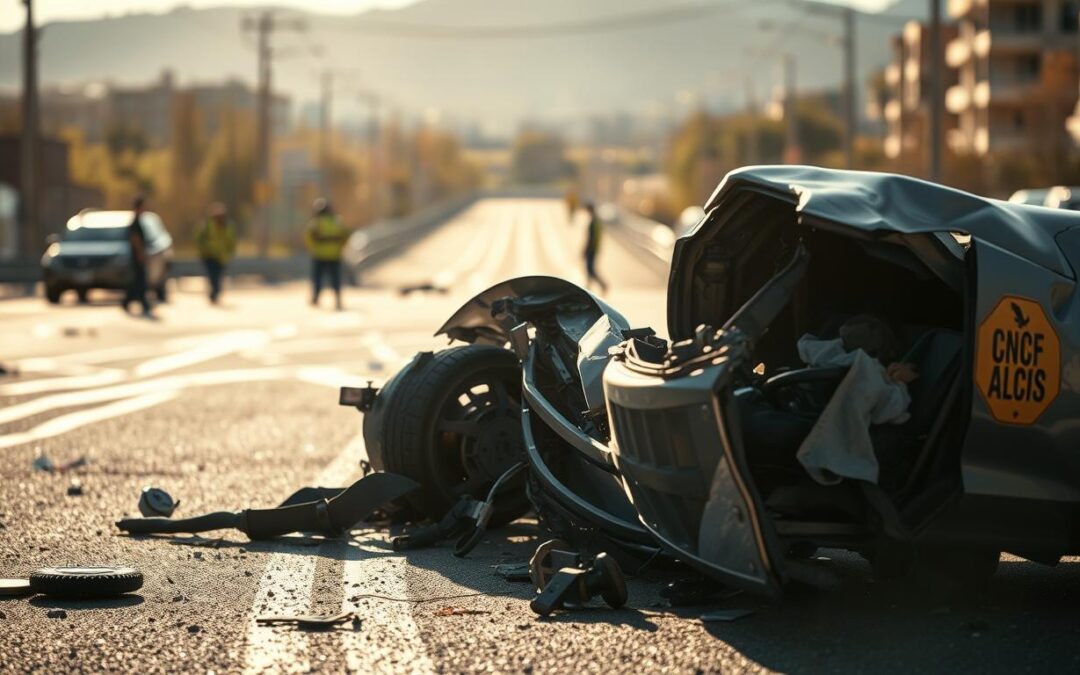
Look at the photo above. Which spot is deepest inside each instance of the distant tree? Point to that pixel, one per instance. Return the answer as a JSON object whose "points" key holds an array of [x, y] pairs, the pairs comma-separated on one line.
{"points": [[185, 201], [539, 157]]}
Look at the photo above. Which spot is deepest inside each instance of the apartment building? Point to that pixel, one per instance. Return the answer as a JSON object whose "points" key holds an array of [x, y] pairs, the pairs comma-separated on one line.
{"points": [[907, 92], [1016, 74]]}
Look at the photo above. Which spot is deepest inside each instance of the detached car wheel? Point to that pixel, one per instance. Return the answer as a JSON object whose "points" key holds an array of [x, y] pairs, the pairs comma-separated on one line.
{"points": [[452, 422]]}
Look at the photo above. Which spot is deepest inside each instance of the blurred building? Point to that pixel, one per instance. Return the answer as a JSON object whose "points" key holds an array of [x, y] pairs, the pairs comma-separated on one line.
{"points": [[906, 92], [148, 109], [60, 197], [1016, 70]]}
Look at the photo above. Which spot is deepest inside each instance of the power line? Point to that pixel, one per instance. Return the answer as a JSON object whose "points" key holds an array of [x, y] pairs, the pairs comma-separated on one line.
{"points": [[598, 25]]}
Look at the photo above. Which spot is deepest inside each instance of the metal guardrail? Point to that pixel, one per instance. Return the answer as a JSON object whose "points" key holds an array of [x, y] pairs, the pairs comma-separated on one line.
{"points": [[653, 242]]}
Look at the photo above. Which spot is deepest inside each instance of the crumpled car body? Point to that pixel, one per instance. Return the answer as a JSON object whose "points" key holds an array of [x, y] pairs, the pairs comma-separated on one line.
{"points": [[984, 295], [690, 446], [563, 335]]}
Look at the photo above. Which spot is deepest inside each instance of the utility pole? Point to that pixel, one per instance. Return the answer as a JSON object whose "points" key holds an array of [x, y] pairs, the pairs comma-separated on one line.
{"points": [[264, 25], [850, 120], [753, 143], [374, 154], [792, 149], [327, 82], [937, 102], [30, 241]]}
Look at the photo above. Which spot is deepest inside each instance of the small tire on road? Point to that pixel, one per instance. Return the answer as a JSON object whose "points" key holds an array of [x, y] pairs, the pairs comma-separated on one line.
{"points": [[453, 424], [85, 582], [84, 295], [53, 294], [161, 292]]}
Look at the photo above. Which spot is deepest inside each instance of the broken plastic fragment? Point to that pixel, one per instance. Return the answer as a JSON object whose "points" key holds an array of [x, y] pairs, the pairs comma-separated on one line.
{"points": [[308, 620]]}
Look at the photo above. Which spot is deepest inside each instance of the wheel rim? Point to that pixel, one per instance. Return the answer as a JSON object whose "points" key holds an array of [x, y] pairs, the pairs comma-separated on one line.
{"points": [[478, 431]]}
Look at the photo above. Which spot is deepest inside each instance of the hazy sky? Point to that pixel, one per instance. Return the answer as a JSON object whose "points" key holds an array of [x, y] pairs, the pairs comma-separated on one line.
{"points": [[12, 16]]}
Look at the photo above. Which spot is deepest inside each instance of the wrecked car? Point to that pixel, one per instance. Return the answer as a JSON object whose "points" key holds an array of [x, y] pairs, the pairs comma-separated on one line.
{"points": [[856, 361]]}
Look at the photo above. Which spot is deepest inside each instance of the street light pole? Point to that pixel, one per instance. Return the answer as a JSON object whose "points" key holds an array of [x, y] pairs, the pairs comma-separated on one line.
{"points": [[936, 102], [850, 121], [30, 143]]}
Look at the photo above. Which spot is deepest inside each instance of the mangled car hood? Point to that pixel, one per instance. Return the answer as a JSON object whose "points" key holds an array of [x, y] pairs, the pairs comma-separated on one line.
{"points": [[878, 201], [863, 203]]}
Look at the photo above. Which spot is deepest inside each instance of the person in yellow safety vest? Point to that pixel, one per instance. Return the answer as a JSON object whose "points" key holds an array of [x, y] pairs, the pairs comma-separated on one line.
{"points": [[216, 240], [325, 237]]}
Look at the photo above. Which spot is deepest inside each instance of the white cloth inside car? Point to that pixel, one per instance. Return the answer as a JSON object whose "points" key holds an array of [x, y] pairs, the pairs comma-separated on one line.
{"points": [[839, 445]]}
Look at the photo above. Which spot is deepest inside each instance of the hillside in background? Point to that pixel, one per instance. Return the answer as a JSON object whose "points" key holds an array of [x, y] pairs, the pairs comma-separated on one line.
{"points": [[495, 78]]}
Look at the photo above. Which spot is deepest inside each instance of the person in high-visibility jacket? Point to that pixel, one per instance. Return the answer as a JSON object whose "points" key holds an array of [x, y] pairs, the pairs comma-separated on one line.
{"points": [[216, 240], [325, 237]]}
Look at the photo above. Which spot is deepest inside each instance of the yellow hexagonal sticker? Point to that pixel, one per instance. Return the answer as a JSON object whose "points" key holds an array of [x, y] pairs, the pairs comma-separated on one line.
{"points": [[1017, 361]]}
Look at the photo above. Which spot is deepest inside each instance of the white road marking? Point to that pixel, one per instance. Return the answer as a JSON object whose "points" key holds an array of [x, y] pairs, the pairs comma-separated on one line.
{"points": [[100, 378], [484, 276], [474, 255], [65, 423], [222, 345], [389, 640], [559, 250], [285, 587]]}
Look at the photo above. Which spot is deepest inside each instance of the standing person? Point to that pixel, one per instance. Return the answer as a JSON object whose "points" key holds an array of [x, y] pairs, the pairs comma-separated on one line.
{"points": [[325, 238], [592, 247], [216, 240], [137, 239]]}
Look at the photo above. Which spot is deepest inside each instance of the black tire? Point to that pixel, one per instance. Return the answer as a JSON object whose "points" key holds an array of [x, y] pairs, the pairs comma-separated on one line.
{"points": [[161, 292], [84, 582], [84, 295], [53, 294], [453, 447]]}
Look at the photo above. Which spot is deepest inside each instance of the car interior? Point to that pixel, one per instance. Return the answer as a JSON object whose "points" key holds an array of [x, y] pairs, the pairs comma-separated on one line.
{"points": [[849, 275]]}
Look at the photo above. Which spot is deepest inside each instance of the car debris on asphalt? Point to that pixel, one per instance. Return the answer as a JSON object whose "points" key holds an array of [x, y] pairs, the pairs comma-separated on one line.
{"points": [[46, 464], [309, 620], [329, 517], [154, 502]]}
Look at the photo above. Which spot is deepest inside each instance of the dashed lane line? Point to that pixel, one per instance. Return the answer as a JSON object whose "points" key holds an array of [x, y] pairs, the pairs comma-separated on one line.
{"points": [[285, 588], [65, 423]]}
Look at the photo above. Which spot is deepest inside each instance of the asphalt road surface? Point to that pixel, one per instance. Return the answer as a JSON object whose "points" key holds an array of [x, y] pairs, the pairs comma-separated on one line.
{"points": [[234, 406]]}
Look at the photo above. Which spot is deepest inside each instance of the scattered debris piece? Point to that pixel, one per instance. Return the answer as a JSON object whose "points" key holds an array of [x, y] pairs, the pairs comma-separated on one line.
{"points": [[2, 615], [308, 620], [513, 571], [425, 287], [56, 614], [14, 587], [725, 615], [75, 488], [562, 576], [156, 502], [180, 597], [458, 611], [44, 463], [196, 540], [86, 581], [331, 517], [194, 628]]}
